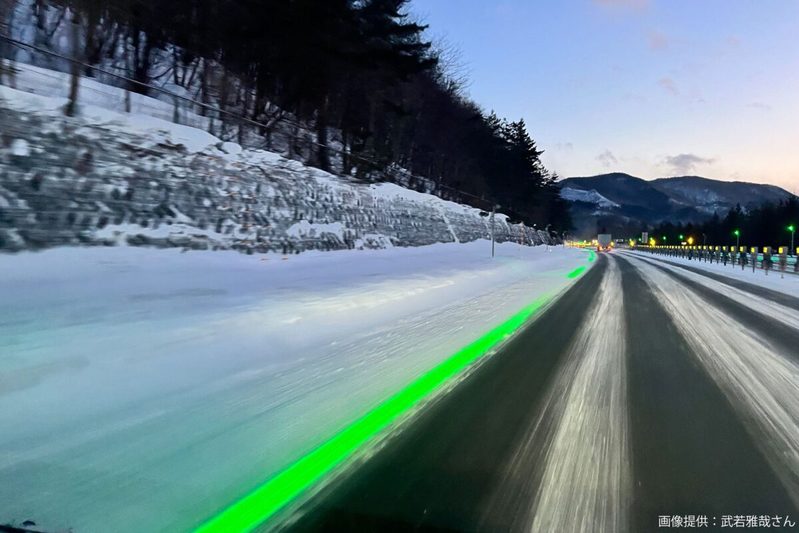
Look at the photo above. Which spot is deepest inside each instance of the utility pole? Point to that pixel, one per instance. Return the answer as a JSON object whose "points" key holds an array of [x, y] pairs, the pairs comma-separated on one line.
{"points": [[549, 238], [493, 210]]}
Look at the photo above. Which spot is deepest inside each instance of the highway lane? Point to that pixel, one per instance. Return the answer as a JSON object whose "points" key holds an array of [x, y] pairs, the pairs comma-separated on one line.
{"points": [[647, 389], [752, 288]]}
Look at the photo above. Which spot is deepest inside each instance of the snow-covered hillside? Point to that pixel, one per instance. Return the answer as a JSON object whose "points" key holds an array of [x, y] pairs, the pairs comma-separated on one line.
{"points": [[144, 390], [106, 178], [591, 197]]}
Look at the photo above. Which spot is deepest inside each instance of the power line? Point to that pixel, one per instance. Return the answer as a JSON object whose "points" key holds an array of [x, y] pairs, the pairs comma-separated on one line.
{"points": [[372, 163]]}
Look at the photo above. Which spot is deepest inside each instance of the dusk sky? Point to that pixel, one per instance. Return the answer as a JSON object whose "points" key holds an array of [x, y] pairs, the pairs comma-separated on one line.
{"points": [[653, 88]]}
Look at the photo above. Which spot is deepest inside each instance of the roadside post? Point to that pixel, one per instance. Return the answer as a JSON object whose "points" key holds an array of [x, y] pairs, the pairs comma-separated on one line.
{"points": [[492, 231], [755, 252], [491, 221], [783, 260], [767, 259]]}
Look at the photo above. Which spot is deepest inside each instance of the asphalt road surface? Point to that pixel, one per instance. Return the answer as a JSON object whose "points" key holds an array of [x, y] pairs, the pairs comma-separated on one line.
{"points": [[647, 390]]}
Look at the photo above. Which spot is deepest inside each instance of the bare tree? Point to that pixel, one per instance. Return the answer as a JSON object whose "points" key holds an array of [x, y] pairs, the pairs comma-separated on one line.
{"points": [[74, 82], [451, 69], [7, 8]]}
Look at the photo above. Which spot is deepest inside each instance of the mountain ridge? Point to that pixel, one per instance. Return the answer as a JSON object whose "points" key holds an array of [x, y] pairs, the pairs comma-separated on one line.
{"points": [[625, 204]]}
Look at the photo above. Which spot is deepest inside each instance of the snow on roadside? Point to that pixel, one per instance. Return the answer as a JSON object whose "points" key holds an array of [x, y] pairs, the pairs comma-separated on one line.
{"points": [[49, 89], [141, 180], [141, 389]]}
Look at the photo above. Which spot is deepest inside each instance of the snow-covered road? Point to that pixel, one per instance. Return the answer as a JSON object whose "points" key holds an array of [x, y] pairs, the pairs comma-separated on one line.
{"points": [[143, 390]]}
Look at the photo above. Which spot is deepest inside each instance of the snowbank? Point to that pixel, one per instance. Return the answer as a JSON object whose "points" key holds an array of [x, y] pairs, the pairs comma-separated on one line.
{"points": [[108, 178]]}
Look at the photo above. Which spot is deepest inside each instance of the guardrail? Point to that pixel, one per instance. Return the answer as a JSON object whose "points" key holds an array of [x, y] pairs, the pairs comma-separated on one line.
{"points": [[763, 258]]}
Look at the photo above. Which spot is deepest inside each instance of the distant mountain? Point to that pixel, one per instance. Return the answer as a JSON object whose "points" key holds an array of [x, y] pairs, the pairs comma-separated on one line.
{"points": [[713, 195], [623, 204]]}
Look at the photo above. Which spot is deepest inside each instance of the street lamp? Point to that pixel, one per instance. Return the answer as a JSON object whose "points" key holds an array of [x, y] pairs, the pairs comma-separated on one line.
{"points": [[690, 241], [792, 229], [737, 234]]}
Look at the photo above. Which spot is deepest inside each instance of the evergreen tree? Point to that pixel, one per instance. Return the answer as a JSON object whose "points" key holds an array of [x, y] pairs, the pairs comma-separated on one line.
{"points": [[358, 70]]}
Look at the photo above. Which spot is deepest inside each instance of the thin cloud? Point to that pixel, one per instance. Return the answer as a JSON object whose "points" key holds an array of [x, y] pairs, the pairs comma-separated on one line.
{"points": [[685, 163], [658, 41], [759, 105], [668, 85], [625, 4], [607, 159], [564, 147]]}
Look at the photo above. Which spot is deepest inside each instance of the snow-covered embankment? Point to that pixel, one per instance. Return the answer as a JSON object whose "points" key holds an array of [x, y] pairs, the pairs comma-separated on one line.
{"points": [[106, 178]]}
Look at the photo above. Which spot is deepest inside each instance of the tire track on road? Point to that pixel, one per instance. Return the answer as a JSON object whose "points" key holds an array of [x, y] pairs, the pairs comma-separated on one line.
{"points": [[772, 321], [759, 380], [586, 482], [439, 472], [752, 288], [691, 453]]}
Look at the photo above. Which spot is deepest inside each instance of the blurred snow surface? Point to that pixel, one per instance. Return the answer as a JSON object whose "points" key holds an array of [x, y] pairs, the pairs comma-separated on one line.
{"points": [[145, 389]]}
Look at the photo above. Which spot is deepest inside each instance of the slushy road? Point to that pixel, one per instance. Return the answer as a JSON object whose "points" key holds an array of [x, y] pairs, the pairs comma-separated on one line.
{"points": [[646, 390]]}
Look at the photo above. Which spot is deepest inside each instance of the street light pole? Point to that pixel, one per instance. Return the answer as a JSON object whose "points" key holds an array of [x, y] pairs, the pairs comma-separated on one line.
{"points": [[792, 229]]}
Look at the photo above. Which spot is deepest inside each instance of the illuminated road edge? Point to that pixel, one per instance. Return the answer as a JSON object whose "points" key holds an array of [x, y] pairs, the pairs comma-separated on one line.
{"points": [[267, 499], [576, 272]]}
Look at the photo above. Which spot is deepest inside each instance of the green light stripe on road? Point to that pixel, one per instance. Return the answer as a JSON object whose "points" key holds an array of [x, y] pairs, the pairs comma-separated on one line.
{"points": [[264, 501], [576, 272], [591, 256]]}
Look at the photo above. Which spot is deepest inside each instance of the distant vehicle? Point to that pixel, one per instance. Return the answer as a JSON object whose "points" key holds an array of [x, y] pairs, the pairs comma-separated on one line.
{"points": [[604, 242]]}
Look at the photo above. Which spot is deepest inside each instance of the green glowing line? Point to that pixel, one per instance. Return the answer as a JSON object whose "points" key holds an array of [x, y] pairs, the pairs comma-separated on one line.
{"points": [[576, 272], [264, 501], [591, 256]]}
